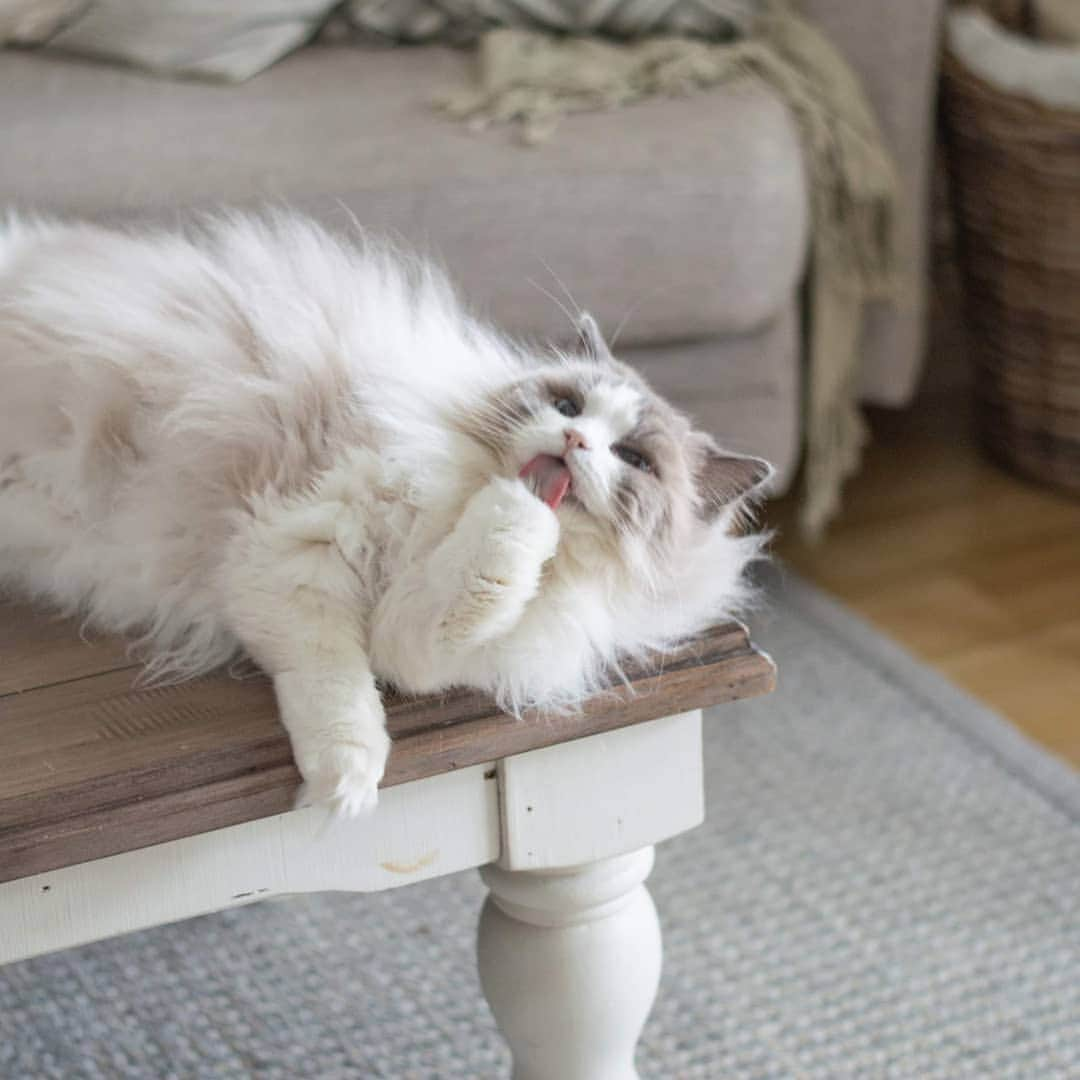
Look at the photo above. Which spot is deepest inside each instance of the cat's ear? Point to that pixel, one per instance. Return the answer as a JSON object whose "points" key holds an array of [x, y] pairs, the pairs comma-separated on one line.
{"points": [[592, 340], [724, 478]]}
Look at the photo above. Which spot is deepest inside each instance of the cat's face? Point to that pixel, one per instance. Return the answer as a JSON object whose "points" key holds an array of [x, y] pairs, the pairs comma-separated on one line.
{"points": [[616, 461]]}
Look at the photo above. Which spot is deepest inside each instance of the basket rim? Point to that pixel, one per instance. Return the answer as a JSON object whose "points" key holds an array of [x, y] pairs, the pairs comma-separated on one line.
{"points": [[1024, 108]]}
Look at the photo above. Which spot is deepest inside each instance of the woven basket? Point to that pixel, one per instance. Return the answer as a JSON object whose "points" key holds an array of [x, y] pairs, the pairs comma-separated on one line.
{"points": [[1015, 174]]}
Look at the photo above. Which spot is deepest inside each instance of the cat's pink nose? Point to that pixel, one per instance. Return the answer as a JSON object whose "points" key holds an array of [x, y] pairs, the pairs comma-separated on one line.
{"points": [[575, 440]]}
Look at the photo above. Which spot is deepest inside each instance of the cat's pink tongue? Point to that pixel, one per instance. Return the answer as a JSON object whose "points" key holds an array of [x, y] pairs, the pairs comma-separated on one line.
{"points": [[550, 478]]}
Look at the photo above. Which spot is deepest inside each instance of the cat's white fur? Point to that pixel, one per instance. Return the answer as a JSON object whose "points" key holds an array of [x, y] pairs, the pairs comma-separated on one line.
{"points": [[247, 438]]}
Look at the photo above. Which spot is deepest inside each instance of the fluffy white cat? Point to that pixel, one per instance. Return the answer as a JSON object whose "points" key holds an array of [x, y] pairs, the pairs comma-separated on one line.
{"points": [[249, 436]]}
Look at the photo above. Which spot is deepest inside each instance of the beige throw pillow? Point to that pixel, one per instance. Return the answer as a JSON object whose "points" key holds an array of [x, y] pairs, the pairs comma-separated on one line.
{"points": [[226, 40]]}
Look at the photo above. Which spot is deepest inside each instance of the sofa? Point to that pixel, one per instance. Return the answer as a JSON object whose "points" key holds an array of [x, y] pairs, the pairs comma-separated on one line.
{"points": [[684, 221]]}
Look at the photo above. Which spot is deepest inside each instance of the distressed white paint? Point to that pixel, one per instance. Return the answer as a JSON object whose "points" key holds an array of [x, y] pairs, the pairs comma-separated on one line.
{"points": [[570, 963], [578, 801], [420, 830]]}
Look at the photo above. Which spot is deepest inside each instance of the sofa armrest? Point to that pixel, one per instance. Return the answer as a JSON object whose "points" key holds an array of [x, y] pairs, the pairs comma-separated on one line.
{"points": [[893, 47]]}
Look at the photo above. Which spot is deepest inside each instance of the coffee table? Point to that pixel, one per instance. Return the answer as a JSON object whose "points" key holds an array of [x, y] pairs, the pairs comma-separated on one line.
{"points": [[124, 807]]}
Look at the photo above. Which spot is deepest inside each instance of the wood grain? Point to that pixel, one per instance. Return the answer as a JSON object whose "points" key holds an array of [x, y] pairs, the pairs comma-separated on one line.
{"points": [[974, 570], [91, 764], [37, 648]]}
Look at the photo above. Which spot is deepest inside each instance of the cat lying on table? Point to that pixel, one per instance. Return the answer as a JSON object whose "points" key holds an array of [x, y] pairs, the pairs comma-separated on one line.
{"points": [[250, 436]]}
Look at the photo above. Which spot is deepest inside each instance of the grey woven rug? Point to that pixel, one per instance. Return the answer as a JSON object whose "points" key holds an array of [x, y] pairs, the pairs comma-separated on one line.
{"points": [[888, 886]]}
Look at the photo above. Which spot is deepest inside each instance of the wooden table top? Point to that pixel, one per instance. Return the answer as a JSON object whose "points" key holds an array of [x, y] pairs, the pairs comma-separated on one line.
{"points": [[92, 765]]}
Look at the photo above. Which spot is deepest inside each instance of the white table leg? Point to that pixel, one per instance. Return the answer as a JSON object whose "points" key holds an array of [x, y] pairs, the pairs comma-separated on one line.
{"points": [[569, 963]]}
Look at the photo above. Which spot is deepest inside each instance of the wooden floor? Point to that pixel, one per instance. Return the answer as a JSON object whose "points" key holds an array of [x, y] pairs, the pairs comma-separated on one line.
{"points": [[972, 569]]}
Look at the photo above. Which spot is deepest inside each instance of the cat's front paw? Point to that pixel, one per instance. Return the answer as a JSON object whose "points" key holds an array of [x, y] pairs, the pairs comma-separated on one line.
{"points": [[495, 563], [344, 775], [514, 516]]}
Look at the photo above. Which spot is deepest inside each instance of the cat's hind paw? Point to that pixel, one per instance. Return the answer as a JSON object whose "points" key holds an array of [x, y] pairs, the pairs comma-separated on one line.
{"points": [[345, 779]]}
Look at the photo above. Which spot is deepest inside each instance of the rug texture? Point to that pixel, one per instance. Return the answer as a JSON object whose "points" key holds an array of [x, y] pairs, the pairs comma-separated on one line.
{"points": [[888, 885]]}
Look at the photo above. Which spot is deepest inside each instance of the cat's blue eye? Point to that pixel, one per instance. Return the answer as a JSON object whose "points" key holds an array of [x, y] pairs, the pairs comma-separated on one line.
{"points": [[632, 458], [567, 406]]}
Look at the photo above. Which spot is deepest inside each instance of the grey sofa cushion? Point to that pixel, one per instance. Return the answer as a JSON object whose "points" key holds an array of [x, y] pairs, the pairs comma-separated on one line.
{"points": [[689, 214]]}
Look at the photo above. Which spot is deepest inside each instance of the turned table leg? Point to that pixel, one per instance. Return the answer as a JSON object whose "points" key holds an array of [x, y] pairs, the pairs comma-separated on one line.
{"points": [[569, 963]]}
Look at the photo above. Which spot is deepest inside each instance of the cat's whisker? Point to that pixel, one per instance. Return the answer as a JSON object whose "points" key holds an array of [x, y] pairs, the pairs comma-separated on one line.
{"points": [[623, 321], [562, 285], [571, 317]]}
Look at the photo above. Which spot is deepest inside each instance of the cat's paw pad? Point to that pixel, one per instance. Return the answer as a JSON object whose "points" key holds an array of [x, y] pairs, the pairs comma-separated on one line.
{"points": [[345, 777]]}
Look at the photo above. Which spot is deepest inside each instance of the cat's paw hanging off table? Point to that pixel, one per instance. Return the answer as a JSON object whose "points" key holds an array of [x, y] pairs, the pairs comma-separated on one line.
{"points": [[338, 734], [344, 776]]}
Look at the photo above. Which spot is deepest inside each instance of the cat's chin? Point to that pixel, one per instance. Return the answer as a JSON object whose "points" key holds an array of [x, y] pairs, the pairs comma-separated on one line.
{"points": [[584, 541]]}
